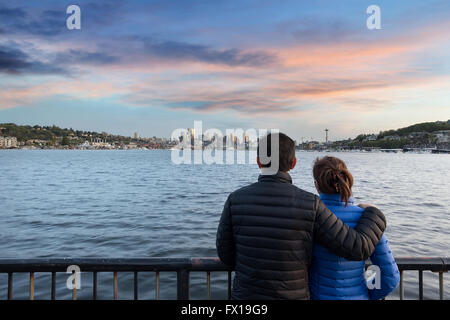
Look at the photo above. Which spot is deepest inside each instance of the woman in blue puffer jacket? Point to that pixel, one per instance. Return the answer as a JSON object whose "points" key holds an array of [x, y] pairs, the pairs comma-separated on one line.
{"points": [[335, 278]]}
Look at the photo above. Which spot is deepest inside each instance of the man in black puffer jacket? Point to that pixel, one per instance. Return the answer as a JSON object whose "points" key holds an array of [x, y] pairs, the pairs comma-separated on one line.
{"points": [[267, 230]]}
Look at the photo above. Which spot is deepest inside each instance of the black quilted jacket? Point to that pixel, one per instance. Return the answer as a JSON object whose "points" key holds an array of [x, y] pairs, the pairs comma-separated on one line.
{"points": [[267, 230]]}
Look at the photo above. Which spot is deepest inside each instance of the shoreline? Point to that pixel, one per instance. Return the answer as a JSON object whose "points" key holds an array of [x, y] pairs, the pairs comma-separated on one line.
{"points": [[377, 151]]}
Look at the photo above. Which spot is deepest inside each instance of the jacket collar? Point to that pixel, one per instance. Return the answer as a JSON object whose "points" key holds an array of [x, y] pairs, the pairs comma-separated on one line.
{"points": [[280, 176], [335, 198]]}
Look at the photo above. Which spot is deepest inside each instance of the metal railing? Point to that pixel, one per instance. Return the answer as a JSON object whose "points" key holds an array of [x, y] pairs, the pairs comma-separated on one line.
{"points": [[182, 266], [421, 264]]}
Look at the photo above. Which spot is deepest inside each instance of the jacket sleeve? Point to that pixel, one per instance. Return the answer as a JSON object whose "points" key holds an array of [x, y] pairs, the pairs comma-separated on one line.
{"points": [[224, 240], [389, 275], [353, 244]]}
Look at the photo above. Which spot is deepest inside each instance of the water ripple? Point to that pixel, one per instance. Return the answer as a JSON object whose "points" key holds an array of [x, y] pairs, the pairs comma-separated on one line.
{"points": [[138, 204]]}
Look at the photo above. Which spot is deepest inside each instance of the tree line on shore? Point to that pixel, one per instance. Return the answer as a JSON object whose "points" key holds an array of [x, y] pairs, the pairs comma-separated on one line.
{"points": [[419, 135], [55, 136]]}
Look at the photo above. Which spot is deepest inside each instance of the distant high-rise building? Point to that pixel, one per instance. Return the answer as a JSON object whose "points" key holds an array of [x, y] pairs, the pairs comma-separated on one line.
{"points": [[190, 137], [136, 135], [191, 133]]}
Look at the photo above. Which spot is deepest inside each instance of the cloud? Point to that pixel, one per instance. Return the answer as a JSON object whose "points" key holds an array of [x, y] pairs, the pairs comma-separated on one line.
{"points": [[24, 58], [194, 52], [25, 94], [100, 14], [15, 61], [45, 23], [145, 50], [12, 13], [334, 87], [85, 58], [52, 23], [324, 64], [312, 29]]}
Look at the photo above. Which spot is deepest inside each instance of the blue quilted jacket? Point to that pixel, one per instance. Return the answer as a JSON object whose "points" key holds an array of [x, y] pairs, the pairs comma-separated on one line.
{"points": [[335, 278]]}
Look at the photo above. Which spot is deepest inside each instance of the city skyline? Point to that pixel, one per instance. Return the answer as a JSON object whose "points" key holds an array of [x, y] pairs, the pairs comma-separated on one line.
{"points": [[157, 66]]}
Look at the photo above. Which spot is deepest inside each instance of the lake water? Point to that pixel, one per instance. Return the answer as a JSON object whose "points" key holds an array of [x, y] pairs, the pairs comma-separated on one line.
{"points": [[72, 203]]}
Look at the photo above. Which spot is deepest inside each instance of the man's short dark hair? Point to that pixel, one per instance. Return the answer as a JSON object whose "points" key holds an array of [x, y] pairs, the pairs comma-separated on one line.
{"points": [[286, 154]]}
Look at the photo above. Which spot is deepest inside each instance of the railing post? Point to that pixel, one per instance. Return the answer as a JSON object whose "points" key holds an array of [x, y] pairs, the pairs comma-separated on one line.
{"points": [[135, 287], [183, 285], [115, 286], [157, 285], [94, 286], [53, 292], [229, 285], [420, 285], [31, 285], [401, 288], [441, 285], [10, 285], [74, 290], [208, 285]]}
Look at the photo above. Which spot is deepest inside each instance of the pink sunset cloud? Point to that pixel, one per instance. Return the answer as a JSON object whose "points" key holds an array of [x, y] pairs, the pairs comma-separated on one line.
{"points": [[360, 76]]}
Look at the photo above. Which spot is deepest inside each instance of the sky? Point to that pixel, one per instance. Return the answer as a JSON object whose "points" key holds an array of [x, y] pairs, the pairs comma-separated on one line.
{"points": [[154, 66]]}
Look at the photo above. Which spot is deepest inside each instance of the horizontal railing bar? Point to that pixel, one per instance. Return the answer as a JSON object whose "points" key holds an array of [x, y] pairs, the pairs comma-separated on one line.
{"points": [[208, 264], [422, 263], [172, 264], [94, 264], [446, 262]]}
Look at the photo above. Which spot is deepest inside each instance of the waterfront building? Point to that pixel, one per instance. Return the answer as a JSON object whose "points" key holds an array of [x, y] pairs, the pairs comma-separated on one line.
{"points": [[417, 134], [85, 145], [8, 142], [372, 137], [36, 142], [132, 145], [443, 136], [394, 137]]}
